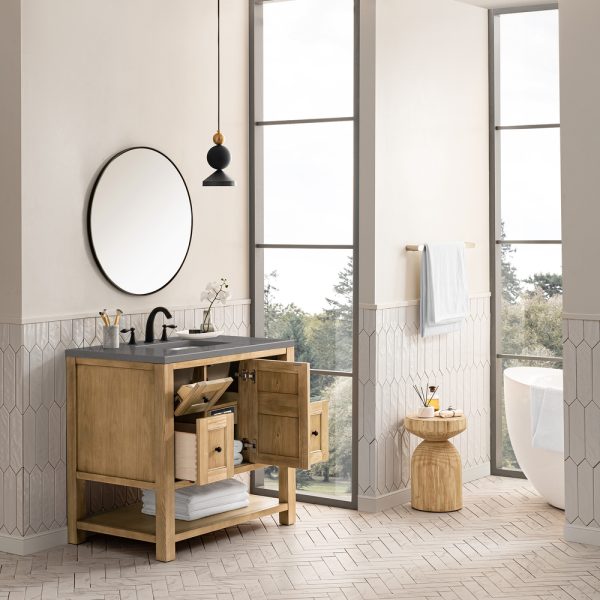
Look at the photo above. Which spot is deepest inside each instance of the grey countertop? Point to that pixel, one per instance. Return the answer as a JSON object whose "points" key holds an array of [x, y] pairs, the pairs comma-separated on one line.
{"points": [[178, 350]]}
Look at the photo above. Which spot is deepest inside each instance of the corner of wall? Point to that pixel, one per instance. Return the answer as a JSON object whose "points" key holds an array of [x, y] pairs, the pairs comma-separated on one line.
{"points": [[10, 161]]}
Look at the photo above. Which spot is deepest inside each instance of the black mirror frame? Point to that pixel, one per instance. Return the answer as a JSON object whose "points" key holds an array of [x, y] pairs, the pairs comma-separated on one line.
{"points": [[89, 219]]}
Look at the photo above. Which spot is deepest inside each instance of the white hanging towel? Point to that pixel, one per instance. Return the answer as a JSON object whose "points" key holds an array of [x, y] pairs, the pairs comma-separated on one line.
{"points": [[444, 291], [547, 414]]}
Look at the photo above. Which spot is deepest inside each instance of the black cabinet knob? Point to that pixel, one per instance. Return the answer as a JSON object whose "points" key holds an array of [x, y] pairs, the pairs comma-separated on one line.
{"points": [[218, 449], [315, 433]]}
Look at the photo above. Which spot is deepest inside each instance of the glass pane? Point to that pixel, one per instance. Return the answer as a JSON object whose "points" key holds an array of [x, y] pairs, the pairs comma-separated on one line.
{"points": [[308, 57], [531, 284], [530, 183], [309, 183], [308, 298], [529, 83], [507, 458], [332, 479]]}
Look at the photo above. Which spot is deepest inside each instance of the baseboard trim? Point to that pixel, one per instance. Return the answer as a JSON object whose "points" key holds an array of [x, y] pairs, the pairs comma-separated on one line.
{"points": [[375, 504], [582, 535], [478, 472], [30, 544]]}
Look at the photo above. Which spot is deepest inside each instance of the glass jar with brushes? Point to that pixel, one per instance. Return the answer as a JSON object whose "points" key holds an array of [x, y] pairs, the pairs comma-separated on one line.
{"points": [[428, 399], [110, 332]]}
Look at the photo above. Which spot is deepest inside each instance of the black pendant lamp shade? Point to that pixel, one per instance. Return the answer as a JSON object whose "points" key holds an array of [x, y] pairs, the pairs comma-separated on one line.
{"points": [[218, 156]]}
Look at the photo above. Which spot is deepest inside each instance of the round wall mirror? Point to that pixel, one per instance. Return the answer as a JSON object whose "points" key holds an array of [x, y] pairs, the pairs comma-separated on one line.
{"points": [[140, 221]]}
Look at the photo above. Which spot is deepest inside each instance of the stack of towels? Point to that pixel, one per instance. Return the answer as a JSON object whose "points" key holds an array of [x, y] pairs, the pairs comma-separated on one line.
{"points": [[238, 446], [197, 502]]}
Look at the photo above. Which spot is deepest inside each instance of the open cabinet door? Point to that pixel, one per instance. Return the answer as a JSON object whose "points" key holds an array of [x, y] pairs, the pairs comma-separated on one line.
{"points": [[275, 396]]}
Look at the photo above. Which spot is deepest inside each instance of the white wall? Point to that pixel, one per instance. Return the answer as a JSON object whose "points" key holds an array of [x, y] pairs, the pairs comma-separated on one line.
{"points": [[423, 177], [580, 128], [103, 75], [580, 156], [10, 160], [431, 137], [367, 151]]}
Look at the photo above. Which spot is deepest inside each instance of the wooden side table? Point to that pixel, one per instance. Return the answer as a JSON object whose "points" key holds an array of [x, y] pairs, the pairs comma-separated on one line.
{"points": [[436, 468]]}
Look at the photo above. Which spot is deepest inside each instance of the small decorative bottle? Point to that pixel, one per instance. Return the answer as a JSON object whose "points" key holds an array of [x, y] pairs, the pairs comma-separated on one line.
{"points": [[435, 400]]}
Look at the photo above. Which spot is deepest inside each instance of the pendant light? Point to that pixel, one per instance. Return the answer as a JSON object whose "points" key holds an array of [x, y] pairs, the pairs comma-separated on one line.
{"points": [[218, 156]]}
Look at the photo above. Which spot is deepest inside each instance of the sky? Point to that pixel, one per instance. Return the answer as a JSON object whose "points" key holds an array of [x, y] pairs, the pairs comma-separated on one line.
{"points": [[308, 187], [530, 159], [308, 73]]}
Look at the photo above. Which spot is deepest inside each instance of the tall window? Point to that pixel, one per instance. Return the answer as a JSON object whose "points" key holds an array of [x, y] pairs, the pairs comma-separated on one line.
{"points": [[303, 198], [526, 215]]}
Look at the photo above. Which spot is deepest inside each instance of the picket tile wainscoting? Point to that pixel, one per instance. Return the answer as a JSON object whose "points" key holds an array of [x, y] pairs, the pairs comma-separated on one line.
{"points": [[33, 420], [581, 346], [393, 356]]}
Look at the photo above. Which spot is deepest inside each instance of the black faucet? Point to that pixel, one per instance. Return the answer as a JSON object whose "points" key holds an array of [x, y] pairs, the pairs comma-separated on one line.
{"points": [[150, 322]]}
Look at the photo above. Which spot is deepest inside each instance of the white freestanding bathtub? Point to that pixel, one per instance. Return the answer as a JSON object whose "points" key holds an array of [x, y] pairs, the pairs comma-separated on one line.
{"points": [[544, 468]]}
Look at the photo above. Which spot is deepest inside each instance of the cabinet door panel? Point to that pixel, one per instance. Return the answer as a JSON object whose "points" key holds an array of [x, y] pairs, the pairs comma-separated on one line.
{"points": [[282, 439], [276, 403], [319, 432]]}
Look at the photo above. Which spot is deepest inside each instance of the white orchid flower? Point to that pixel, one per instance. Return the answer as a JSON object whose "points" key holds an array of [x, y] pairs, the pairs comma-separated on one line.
{"points": [[215, 291]]}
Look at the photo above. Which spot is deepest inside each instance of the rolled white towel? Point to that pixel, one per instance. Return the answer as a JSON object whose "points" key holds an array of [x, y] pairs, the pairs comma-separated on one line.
{"points": [[238, 446], [238, 459], [449, 413]]}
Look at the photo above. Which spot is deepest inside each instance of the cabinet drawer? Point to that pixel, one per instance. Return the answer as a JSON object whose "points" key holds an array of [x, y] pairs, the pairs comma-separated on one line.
{"points": [[319, 432], [204, 450]]}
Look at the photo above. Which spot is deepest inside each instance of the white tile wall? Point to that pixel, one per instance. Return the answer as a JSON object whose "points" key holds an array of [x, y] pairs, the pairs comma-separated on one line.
{"points": [[33, 414], [392, 356], [581, 370]]}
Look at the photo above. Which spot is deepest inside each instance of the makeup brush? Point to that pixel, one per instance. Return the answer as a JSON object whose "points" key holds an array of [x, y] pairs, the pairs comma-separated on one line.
{"points": [[118, 316], [104, 317]]}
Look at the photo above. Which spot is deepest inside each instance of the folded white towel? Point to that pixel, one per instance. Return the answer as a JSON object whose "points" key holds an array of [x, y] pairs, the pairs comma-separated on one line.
{"points": [[547, 416], [444, 291], [192, 509], [199, 514], [201, 497], [448, 414], [205, 493], [238, 446], [212, 490], [148, 497], [238, 459]]}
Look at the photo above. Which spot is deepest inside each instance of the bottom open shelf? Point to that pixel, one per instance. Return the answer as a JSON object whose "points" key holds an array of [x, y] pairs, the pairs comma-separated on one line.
{"points": [[129, 522]]}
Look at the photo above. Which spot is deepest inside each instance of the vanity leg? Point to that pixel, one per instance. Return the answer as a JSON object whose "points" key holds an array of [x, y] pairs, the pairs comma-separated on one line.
{"points": [[164, 452], [287, 493], [75, 510], [75, 487], [165, 524]]}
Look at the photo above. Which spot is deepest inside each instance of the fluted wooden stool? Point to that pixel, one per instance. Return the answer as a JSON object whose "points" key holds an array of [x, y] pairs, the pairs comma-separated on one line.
{"points": [[436, 468]]}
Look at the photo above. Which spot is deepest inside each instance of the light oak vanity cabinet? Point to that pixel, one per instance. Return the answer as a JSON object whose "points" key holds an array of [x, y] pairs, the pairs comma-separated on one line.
{"points": [[121, 429]]}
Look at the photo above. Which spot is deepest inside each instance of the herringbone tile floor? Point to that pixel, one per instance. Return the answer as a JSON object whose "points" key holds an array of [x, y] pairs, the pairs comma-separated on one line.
{"points": [[506, 543]]}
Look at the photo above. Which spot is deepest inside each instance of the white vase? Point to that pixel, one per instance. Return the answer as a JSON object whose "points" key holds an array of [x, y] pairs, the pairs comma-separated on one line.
{"points": [[426, 412]]}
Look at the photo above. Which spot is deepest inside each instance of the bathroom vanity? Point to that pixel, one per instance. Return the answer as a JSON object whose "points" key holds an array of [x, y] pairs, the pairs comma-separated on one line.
{"points": [[121, 428]]}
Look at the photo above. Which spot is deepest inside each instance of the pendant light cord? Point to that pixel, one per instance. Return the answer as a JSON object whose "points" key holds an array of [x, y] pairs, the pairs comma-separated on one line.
{"points": [[218, 65]]}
